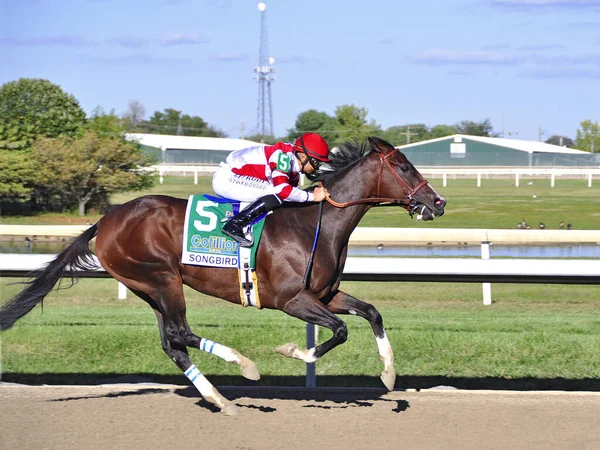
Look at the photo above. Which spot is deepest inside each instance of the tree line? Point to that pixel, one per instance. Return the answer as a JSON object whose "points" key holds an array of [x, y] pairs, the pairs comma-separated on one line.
{"points": [[55, 158]]}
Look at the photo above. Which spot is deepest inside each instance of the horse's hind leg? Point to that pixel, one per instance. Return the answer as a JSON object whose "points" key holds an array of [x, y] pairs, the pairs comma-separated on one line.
{"points": [[181, 333], [343, 303], [173, 331]]}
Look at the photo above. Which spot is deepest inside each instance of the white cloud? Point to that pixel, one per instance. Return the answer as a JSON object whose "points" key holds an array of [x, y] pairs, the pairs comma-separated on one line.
{"points": [[502, 46], [532, 48], [129, 41], [567, 73], [183, 39], [139, 58], [562, 4], [230, 56], [446, 57], [65, 41]]}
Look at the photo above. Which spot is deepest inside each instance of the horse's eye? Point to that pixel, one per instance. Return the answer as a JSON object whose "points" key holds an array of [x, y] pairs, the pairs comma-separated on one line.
{"points": [[404, 168]]}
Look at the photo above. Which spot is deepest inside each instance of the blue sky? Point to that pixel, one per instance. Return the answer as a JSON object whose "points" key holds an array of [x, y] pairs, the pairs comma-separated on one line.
{"points": [[523, 64]]}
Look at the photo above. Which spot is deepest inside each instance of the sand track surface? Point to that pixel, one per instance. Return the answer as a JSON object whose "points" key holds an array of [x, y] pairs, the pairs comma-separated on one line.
{"points": [[148, 416]]}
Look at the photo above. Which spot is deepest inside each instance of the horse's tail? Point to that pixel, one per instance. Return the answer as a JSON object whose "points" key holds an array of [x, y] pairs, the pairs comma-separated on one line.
{"points": [[76, 256]]}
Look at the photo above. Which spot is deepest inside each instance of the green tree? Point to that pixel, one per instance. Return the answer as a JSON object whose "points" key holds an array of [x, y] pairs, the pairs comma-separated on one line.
{"points": [[316, 122], [471, 128], [439, 131], [107, 124], [172, 121], [588, 137], [89, 168], [406, 134], [17, 172], [31, 108], [561, 141], [351, 123]]}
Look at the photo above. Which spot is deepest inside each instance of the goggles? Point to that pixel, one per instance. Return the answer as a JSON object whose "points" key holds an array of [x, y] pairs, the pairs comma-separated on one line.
{"points": [[314, 162]]}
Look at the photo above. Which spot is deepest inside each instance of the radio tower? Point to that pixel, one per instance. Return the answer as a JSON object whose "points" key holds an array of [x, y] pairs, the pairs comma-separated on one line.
{"points": [[265, 71]]}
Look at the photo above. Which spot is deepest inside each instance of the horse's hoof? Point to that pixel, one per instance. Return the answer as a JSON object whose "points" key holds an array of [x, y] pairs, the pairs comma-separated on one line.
{"points": [[389, 379], [230, 409], [250, 371], [287, 349]]}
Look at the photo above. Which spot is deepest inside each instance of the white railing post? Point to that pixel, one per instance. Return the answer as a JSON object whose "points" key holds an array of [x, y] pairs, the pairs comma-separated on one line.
{"points": [[195, 177], [478, 180], [312, 332], [517, 179], [122, 291], [444, 181], [160, 178], [487, 287], [552, 179], [590, 179]]}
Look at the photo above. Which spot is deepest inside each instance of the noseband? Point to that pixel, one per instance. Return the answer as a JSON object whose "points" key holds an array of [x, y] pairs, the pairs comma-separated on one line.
{"points": [[406, 188]]}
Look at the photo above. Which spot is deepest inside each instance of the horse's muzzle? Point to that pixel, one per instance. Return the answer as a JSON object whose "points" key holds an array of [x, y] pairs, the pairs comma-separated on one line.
{"points": [[436, 209]]}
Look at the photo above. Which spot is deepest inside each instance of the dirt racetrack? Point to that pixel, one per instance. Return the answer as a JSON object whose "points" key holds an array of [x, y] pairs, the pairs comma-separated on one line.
{"points": [[149, 416]]}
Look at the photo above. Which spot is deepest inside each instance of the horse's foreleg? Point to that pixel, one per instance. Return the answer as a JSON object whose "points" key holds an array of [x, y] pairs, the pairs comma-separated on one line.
{"points": [[343, 303], [307, 307]]}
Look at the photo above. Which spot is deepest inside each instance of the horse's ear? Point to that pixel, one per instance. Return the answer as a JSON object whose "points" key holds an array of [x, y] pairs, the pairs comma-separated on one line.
{"points": [[379, 145]]}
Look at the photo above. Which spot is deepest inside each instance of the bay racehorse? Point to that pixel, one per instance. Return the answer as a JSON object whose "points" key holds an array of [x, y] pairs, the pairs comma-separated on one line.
{"points": [[140, 244]]}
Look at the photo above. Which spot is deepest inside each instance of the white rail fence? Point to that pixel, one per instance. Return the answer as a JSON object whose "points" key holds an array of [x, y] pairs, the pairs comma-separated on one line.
{"points": [[444, 172], [380, 269]]}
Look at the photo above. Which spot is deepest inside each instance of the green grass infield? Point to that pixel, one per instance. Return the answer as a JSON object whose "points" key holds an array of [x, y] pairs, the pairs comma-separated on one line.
{"points": [[532, 337], [498, 203]]}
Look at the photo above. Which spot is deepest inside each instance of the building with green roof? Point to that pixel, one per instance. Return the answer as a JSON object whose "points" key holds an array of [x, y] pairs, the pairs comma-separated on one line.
{"points": [[475, 151]]}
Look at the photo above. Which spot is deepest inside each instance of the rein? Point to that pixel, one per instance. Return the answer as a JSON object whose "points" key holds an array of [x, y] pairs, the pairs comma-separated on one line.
{"points": [[307, 273], [408, 190]]}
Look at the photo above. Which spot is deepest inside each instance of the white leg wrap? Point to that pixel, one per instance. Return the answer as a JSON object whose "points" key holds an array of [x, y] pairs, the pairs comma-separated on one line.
{"points": [[385, 350], [219, 350], [206, 389]]}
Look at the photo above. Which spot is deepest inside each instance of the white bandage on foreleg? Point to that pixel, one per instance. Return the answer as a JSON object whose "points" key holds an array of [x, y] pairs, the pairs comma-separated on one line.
{"points": [[219, 350]]}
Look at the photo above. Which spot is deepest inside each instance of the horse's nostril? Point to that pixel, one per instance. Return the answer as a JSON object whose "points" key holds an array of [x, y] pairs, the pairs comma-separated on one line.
{"points": [[441, 202]]}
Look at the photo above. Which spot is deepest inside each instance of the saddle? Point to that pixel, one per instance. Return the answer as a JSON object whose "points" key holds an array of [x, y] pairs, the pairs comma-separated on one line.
{"points": [[205, 245]]}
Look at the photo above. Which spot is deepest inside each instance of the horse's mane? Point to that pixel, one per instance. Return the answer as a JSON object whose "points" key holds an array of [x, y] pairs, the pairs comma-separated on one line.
{"points": [[343, 156]]}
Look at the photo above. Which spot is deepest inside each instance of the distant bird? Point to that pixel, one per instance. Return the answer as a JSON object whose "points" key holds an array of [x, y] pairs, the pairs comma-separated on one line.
{"points": [[569, 226], [542, 226], [27, 242], [525, 225], [380, 247], [520, 226], [561, 225], [530, 183]]}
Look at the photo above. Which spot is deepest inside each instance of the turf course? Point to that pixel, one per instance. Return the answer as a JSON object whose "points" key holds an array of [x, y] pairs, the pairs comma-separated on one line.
{"points": [[534, 336]]}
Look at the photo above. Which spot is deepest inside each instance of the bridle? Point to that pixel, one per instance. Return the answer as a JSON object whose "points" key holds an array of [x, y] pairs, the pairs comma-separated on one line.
{"points": [[410, 202]]}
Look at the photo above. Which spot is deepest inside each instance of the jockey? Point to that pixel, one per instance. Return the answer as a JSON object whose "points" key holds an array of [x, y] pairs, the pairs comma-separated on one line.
{"points": [[268, 176]]}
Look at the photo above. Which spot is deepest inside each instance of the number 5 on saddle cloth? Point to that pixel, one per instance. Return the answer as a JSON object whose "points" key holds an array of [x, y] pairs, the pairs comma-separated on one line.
{"points": [[205, 245]]}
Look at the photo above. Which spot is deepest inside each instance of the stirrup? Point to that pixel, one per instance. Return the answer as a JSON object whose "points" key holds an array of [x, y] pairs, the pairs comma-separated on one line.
{"points": [[242, 240]]}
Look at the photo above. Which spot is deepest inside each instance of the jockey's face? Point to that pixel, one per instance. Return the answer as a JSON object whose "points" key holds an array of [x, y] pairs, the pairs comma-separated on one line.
{"points": [[306, 166]]}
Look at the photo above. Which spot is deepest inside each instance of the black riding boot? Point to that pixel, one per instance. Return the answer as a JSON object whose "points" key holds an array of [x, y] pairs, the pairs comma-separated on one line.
{"points": [[234, 227]]}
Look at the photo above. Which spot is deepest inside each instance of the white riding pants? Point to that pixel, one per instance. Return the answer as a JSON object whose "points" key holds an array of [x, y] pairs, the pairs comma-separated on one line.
{"points": [[239, 187]]}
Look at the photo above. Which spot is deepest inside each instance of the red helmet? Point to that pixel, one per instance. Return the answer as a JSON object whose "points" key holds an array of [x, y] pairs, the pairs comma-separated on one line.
{"points": [[314, 146]]}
